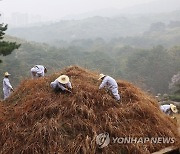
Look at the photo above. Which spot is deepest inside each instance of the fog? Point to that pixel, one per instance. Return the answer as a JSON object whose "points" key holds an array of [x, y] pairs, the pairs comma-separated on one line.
{"points": [[57, 9], [26, 12], [135, 36]]}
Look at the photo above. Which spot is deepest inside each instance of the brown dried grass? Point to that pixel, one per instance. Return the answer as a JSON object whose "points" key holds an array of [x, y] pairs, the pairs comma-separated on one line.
{"points": [[37, 120]]}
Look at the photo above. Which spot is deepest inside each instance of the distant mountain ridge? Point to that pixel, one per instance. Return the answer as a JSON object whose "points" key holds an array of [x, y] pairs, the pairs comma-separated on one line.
{"points": [[94, 27], [154, 7]]}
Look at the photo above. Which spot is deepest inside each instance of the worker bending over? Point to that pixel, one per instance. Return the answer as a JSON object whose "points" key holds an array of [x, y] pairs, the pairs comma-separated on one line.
{"points": [[110, 84], [38, 71], [62, 83], [169, 109]]}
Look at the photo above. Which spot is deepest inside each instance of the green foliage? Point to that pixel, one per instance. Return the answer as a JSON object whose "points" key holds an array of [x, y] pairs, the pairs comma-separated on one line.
{"points": [[175, 97], [149, 68], [175, 80], [6, 47], [2, 29], [153, 67]]}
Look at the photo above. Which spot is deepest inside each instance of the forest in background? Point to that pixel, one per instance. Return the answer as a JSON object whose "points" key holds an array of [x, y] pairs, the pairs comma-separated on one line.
{"points": [[142, 49], [151, 69]]}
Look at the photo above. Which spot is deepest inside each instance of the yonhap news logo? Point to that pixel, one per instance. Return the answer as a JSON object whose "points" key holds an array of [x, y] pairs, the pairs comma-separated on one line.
{"points": [[103, 140]]}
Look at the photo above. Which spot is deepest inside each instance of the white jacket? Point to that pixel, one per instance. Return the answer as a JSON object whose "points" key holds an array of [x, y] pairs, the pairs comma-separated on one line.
{"points": [[166, 109], [109, 83], [6, 87], [38, 70], [57, 85]]}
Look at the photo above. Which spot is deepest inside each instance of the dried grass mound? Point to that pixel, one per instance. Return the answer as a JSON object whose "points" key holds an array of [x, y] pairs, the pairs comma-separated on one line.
{"points": [[2, 112], [38, 120]]}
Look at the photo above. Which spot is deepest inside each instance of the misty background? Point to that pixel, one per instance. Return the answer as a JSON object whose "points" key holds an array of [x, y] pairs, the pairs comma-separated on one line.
{"points": [[135, 40], [27, 12]]}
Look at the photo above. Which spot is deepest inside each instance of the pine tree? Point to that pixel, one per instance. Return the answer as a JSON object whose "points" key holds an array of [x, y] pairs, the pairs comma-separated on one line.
{"points": [[6, 47]]}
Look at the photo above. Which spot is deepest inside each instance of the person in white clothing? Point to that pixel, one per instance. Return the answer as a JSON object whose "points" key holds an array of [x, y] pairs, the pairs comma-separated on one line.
{"points": [[38, 71], [169, 109], [62, 83], [7, 88], [110, 84]]}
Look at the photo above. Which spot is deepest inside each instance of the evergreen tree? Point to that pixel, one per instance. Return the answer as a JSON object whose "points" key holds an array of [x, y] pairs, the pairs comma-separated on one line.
{"points": [[6, 47]]}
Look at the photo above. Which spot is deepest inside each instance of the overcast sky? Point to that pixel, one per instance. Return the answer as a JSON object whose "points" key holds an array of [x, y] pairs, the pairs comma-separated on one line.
{"points": [[59, 8]]}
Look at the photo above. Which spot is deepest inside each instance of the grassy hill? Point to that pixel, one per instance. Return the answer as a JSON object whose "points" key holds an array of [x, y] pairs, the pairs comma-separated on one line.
{"points": [[35, 119]]}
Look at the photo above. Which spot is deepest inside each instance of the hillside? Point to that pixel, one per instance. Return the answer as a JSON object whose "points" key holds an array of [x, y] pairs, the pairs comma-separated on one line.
{"points": [[111, 57], [37, 120], [94, 27], [147, 8]]}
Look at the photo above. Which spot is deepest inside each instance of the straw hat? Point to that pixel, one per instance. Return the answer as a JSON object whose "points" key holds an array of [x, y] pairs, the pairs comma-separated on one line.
{"points": [[174, 108], [63, 79], [101, 76], [6, 74]]}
